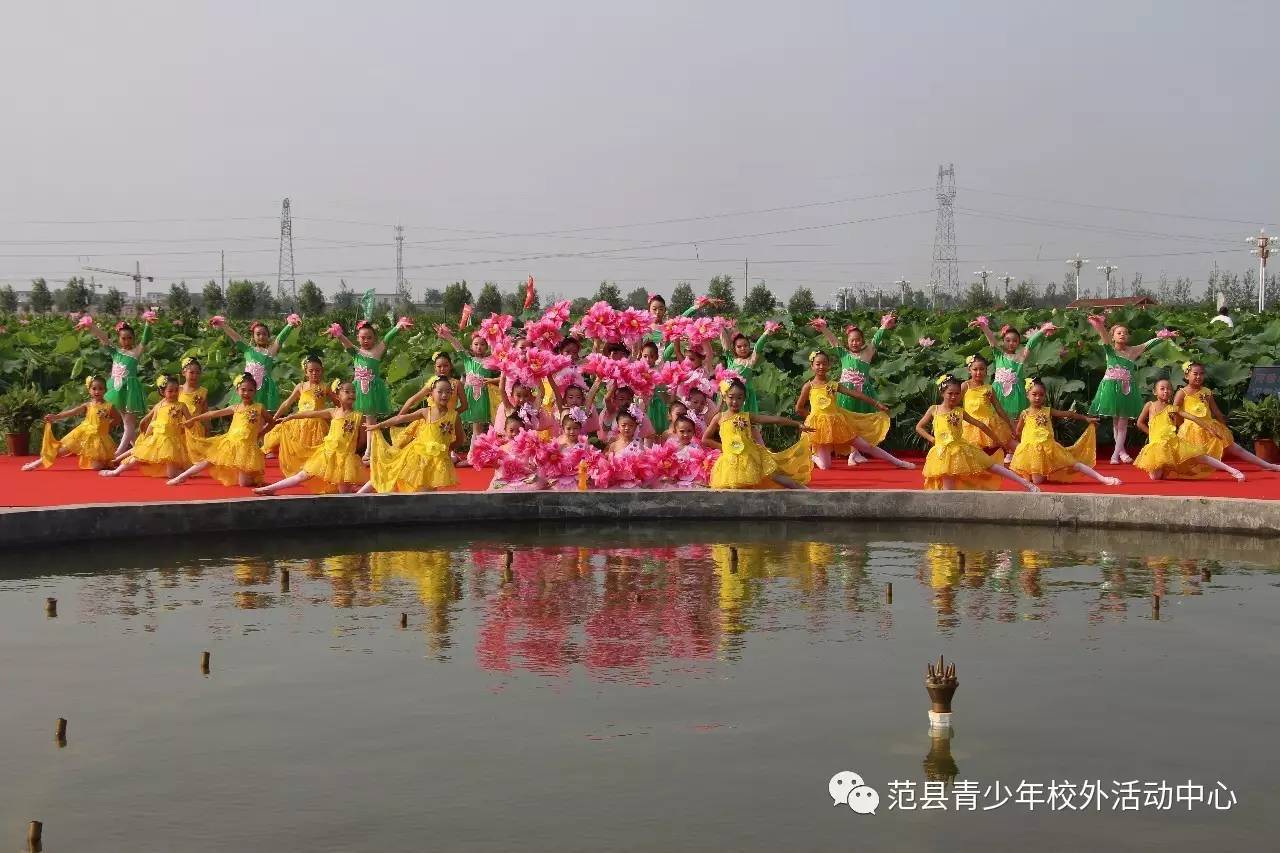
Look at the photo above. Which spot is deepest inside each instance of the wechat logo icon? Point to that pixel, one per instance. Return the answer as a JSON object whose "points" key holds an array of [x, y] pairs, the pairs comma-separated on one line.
{"points": [[848, 789]]}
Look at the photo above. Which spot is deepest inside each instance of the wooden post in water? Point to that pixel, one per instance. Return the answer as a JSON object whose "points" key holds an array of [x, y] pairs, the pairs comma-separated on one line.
{"points": [[60, 734], [34, 831], [204, 663], [51, 607], [404, 620], [1155, 607], [508, 576], [284, 580], [1206, 574], [888, 593], [733, 560]]}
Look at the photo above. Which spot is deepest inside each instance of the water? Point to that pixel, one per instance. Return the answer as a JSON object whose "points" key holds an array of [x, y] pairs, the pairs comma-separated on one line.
{"points": [[632, 688]]}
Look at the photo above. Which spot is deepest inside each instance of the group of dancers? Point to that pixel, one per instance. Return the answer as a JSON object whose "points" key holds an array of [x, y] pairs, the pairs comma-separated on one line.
{"points": [[621, 399]]}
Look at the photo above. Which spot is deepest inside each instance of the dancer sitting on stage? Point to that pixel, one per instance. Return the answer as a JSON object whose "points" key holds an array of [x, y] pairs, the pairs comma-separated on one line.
{"points": [[743, 464], [334, 466], [295, 439], [90, 440], [1168, 456], [425, 463], [234, 458], [1197, 400], [980, 404], [161, 450], [855, 364], [1039, 457], [953, 462], [835, 426]]}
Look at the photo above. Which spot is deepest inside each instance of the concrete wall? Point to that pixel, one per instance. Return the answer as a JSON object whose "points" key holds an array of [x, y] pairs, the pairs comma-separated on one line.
{"points": [[122, 521]]}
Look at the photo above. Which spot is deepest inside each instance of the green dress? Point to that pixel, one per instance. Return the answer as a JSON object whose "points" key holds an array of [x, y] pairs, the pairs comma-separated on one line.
{"points": [[1118, 392], [259, 365], [373, 397], [124, 388], [478, 408], [1009, 377], [856, 372], [751, 404]]}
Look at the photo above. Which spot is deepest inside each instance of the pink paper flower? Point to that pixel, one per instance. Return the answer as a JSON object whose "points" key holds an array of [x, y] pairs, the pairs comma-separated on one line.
{"points": [[544, 332], [85, 322], [633, 325], [149, 316], [559, 312], [335, 330], [982, 320], [218, 321], [404, 323], [888, 321], [293, 320], [600, 323], [465, 319], [1165, 334], [818, 323], [486, 448], [770, 327], [494, 328], [926, 342]]}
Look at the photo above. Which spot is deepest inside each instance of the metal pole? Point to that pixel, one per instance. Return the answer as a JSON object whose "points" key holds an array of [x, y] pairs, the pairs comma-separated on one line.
{"points": [[1262, 281]]}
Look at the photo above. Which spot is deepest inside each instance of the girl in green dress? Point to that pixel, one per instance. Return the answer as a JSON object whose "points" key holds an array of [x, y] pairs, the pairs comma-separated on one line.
{"points": [[475, 379], [1010, 356], [741, 356], [855, 365], [1119, 396], [373, 398], [260, 355], [124, 389]]}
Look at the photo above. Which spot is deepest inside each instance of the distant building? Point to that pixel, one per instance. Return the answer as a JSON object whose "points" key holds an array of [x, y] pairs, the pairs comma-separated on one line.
{"points": [[1114, 302]]}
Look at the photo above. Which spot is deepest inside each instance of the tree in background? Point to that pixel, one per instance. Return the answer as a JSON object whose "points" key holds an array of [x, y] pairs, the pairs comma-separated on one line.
{"points": [[721, 287], [112, 302], [8, 299], [240, 299], [345, 299], [264, 301], [580, 305], [760, 300], [41, 298], [179, 301], [76, 296], [310, 299], [801, 303], [513, 302], [212, 299], [489, 301], [432, 299], [608, 292], [1022, 296], [681, 298], [638, 298], [455, 296]]}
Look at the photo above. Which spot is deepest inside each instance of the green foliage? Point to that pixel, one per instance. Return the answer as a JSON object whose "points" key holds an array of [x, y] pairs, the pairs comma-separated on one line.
{"points": [[75, 296], [760, 300], [8, 300], [721, 287], [489, 301], [310, 299], [638, 298], [41, 298], [1257, 419], [801, 304], [20, 407], [240, 299], [455, 296], [345, 299], [112, 302], [212, 299], [608, 292], [681, 298], [179, 300]]}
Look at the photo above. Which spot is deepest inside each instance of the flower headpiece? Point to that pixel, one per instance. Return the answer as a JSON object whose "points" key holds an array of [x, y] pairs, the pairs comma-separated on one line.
{"points": [[1186, 367], [725, 385], [1028, 382], [162, 380], [119, 327], [944, 379], [88, 380], [438, 353], [813, 354], [636, 410], [969, 360], [190, 360], [363, 324], [579, 414], [335, 385]]}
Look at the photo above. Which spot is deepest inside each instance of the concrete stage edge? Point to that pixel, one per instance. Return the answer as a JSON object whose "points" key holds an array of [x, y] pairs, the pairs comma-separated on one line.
{"points": [[96, 522]]}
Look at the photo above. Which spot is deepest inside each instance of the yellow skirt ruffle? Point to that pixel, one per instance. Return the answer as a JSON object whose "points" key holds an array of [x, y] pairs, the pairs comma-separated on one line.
{"points": [[839, 428], [1175, 457], [1215, 441], [1052, 461], [294, 442], [228, 458], [977, 437], [966, 463], [416, 467], [157, 451], [754, 467], [93, 449], [330, 469]]}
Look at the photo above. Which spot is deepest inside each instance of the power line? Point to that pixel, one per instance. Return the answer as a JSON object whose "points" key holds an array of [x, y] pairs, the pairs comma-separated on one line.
{"points": [[1118, 209]]}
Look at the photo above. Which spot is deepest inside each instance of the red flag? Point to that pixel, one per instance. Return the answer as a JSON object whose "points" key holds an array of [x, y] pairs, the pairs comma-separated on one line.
{"points": [[529, 294]]}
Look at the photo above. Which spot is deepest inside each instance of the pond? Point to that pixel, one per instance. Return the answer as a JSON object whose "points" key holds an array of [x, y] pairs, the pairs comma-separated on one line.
{"points": [[641, 688]]}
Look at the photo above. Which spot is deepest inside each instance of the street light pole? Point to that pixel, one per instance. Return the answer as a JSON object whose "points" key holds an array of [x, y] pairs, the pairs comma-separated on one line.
{"points": [[1107, 270], [1006, 278], [905, 286], [1077, 262], [1262, 248], [984, 274]]}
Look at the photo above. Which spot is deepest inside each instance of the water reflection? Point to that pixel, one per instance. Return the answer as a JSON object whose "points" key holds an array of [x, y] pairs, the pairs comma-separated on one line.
{"points": [[627, 613]]}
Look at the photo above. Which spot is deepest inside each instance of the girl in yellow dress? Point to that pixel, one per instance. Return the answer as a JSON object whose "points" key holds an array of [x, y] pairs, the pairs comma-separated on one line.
{"points": [[835, 426], [162, 447], [953, 462], [980, 404], [1217, 440], [233, 457], [444, 370], [90, 440], [1167, 455], [1039, 457], [425, 463], [294, 439], [335, 465], [192, 394], [743, 464]]}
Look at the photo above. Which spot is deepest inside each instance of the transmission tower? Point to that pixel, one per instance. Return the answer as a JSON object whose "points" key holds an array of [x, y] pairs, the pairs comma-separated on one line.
{"points": [[286, 284], [945, 273], [402, 286]]}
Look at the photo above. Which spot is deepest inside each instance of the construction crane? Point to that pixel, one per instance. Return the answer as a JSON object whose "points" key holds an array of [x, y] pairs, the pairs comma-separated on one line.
{"points": [[136, 275]]}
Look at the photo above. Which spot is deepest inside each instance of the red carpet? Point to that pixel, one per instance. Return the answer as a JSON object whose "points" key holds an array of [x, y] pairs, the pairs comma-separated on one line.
{"points": [[67, 484]]}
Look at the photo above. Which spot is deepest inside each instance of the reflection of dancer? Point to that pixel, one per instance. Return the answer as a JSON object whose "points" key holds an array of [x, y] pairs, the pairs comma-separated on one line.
{"points": [[1197, 400], [1039, 457], [1167, 455], [953, 462], [90, 440]]}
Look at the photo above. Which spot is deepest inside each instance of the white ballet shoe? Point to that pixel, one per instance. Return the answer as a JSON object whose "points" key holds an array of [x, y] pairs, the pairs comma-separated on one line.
{"points": [[1110, 481], [1238, 476], [1126, 459]]}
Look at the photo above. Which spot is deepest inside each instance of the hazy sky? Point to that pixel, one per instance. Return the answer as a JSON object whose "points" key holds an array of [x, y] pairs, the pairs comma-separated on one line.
{"points": [[550, 124]]}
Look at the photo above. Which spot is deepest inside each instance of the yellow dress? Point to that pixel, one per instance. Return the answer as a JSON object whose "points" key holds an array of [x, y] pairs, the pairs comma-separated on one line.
{"points": [[90, 440], [422, 463], [1167, 452], [1215, 441], [978, 405], [953, 456], [236, 451], [835, 425], [165, 442], [335, 461], [1039, 452], [194, 401], [743, 464], [295, 441]]}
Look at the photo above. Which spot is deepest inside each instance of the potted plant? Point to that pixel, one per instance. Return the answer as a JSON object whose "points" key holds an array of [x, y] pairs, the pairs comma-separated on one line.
{"points": [[19, 409], [1259, 420]]}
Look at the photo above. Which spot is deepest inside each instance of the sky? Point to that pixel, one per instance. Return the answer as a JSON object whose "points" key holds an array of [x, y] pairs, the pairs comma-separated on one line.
{"points": [[643, 143]]}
